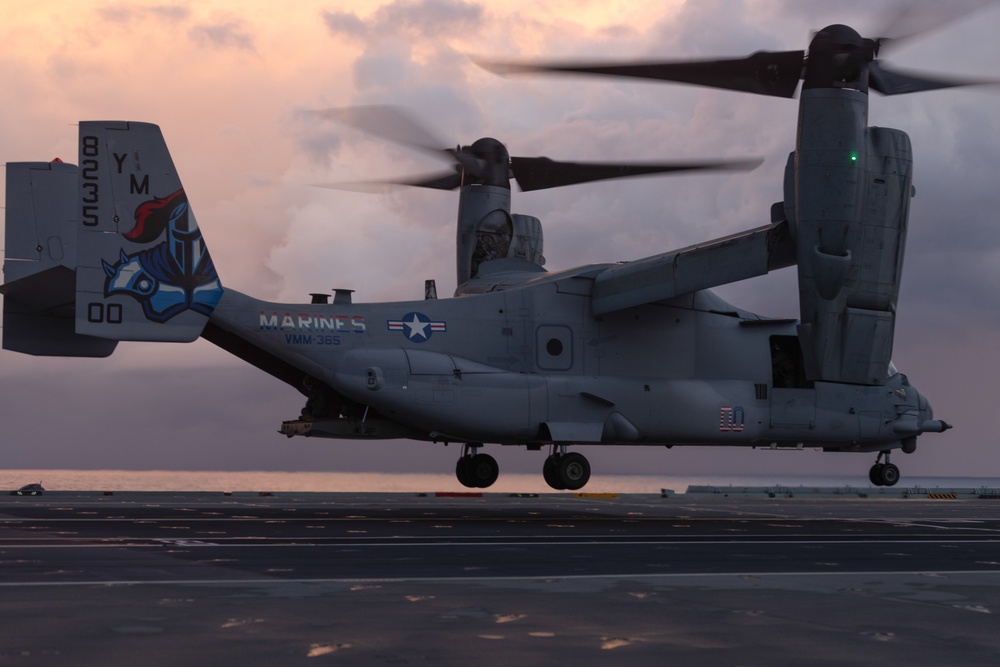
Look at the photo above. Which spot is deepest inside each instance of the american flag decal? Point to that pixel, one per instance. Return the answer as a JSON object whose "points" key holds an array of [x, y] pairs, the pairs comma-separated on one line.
{"points": [[732, 418]]}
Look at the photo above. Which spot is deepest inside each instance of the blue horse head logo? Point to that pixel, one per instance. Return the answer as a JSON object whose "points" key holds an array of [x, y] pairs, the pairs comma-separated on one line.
{"points": [[176, 274]]}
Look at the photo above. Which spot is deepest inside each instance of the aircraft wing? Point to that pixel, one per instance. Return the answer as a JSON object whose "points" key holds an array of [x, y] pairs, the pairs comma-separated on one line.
{"points": [[719, 262]]}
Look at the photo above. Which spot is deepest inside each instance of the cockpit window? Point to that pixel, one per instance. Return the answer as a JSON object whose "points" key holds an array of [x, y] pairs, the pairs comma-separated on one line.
{"points": [[892, 370]]}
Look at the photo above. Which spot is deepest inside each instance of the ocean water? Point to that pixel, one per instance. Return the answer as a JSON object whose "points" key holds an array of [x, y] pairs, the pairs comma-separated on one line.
{"points": [[278, 481]]}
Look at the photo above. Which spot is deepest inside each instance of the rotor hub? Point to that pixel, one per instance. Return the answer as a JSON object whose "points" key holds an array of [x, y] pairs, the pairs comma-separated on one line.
{"points": [[492, 163], [839, 58]]}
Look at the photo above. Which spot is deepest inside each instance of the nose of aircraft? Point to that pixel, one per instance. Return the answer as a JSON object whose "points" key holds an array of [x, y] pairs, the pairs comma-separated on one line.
{"points": [[916, 417], [927, 422]]}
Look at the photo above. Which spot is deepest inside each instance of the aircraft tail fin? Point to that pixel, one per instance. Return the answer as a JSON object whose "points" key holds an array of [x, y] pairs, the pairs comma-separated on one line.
{"points": [[143, 271], [40, 261]]}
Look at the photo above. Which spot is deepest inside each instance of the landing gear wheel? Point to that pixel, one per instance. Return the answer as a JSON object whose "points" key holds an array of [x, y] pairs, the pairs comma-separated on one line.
{"points": [[483, 470], [883, 474], [573, 471], [550, 472], [889, 475], [478, 471], [462, 472]]}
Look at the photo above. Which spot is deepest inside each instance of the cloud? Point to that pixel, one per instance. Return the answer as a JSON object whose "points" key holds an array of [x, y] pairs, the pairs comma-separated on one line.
{"points": [[424, 18], [346, 24], [225, 35], [219, 34], [122, 13]]}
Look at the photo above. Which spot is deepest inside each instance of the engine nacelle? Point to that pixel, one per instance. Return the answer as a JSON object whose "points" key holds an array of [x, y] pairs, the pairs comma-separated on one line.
{"points": [[848, 206], [487, 231]]}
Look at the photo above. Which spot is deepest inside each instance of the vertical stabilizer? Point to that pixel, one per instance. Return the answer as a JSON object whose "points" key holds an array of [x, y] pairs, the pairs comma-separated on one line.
{"points": [[39, 262], [41, 218], [144, 272]]}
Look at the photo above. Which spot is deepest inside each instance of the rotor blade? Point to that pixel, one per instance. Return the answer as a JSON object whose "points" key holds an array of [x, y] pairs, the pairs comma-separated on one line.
{"points": [[448, 180], [539, 173], [889, 82], [388, 122], [774, 73], [445, 181], [401, 127], [468, 162], [912, 20]]}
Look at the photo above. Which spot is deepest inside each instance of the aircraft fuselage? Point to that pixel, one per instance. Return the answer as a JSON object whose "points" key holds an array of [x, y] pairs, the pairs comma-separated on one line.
{"points": [[531, 365]]}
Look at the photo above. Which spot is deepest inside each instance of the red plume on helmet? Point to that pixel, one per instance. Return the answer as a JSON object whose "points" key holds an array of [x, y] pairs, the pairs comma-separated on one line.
{"points": [[151, 217]]}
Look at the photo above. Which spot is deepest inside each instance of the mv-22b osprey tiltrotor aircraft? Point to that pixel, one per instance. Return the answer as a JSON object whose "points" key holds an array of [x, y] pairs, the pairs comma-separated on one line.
{"points": [[633, 353]]}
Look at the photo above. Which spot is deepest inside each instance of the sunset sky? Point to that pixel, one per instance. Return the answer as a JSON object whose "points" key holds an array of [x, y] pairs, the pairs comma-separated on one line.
{"points": [[229, 82]]}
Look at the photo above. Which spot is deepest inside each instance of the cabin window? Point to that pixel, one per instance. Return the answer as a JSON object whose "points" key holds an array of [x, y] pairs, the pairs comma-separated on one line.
{"points": [[787, 368]]}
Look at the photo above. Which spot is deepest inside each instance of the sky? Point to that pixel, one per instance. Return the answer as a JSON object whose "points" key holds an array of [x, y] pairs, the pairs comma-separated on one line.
{"points": [[229, 84]]}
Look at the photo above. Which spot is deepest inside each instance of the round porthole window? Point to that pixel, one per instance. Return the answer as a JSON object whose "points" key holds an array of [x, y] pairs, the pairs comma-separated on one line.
{"points": [[554, 347]]}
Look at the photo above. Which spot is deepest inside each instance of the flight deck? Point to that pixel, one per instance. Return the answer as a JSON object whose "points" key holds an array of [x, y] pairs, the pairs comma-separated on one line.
{"points": [[373, 578]]}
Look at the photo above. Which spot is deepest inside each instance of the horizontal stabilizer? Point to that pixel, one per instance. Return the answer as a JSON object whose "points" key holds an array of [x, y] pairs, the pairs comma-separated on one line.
{"points": [[51, 290], [41, 333], [703, 266], [38, 317]]}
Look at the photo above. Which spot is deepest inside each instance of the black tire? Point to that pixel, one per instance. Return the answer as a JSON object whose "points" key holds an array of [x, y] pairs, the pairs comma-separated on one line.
{"points": [[574, 471], [889, 475], [875, 474], [551, 474], [483, 470], [464, 473]]}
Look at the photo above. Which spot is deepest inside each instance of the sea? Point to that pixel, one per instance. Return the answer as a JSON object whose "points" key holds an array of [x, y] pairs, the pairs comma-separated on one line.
{"points": [[324, 482]]}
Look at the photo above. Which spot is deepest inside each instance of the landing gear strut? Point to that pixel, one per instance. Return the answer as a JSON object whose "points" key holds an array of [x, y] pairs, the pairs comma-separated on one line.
{"points": [[564, 470], [474, 470], [883, 474]]}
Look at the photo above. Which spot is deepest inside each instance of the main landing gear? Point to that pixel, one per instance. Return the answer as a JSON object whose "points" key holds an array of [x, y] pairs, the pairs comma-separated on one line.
{"points": [[562, 470], [565, 471], [475, 470], [883, 474]]}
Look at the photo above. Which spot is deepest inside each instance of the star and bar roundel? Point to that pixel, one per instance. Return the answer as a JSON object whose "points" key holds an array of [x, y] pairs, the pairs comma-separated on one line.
{"points": [[417, 327]]}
